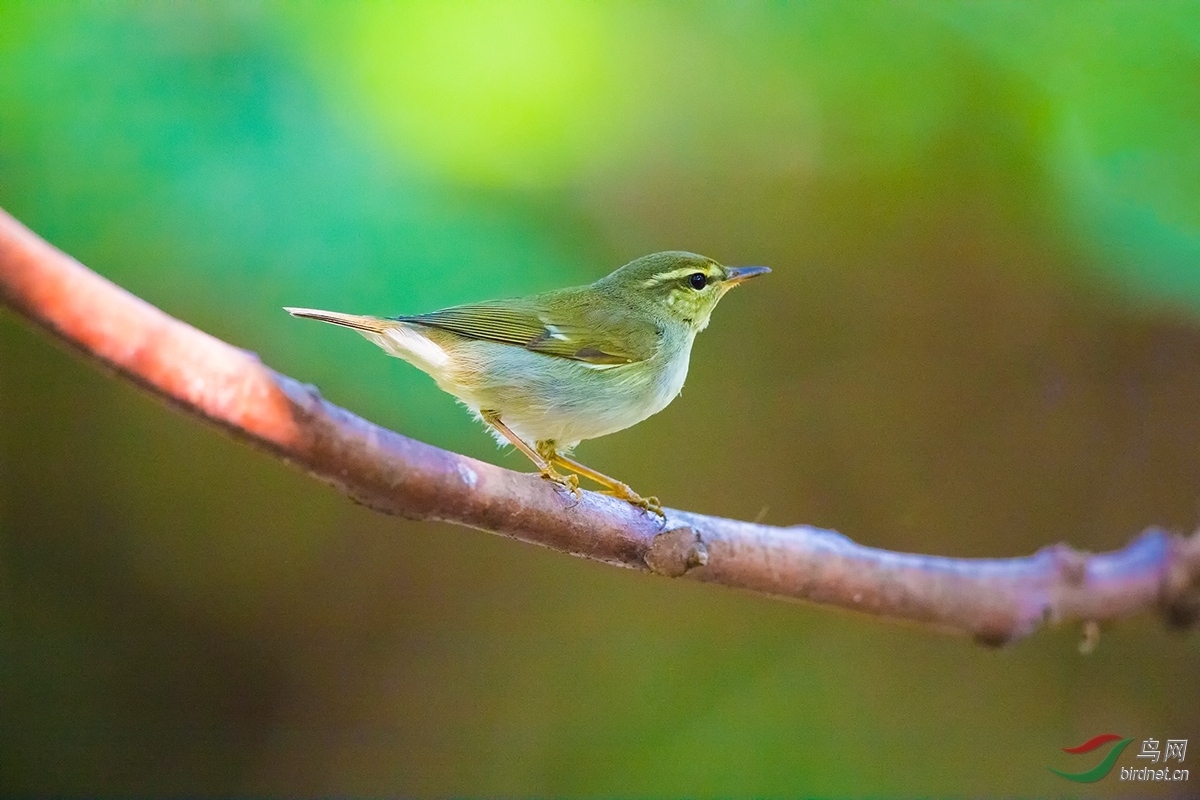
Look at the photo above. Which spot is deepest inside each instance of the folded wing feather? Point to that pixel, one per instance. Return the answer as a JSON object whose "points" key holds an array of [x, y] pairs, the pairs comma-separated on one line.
{"points": [[597, 338]]}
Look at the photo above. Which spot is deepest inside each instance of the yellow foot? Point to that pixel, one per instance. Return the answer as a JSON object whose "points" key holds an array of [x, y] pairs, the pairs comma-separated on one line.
{"points": [[623, 492], [570, 482]]}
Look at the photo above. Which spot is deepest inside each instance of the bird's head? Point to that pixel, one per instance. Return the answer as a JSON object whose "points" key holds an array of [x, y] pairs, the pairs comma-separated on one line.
{"points": [[677, 285]]}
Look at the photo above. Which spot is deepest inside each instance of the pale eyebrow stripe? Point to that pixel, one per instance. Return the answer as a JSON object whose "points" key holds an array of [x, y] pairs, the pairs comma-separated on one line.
{"points": [[671, 276]]}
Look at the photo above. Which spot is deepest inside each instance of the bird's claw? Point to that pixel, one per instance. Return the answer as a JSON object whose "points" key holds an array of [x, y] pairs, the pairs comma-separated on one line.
{"points": [[623, 492], [568, 482], [650, 504]]}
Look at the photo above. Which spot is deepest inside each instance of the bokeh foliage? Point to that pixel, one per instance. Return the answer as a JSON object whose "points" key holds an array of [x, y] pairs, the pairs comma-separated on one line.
{"points": [[980, 338]]}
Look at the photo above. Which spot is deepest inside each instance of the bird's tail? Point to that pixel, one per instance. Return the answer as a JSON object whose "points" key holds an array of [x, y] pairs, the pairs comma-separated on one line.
{"points": [[359, 323], [395, 336]]}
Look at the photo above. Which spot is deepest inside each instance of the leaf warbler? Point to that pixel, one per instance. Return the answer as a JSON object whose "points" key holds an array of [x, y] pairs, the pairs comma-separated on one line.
{"points": [[546, 372]]}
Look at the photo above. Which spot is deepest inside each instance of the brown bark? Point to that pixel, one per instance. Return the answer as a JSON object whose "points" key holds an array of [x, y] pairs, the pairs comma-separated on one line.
{"points": [[994, 600]]}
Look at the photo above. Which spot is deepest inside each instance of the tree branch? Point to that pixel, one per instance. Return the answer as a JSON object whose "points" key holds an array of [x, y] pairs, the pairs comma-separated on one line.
{"points": [[995, 601]]}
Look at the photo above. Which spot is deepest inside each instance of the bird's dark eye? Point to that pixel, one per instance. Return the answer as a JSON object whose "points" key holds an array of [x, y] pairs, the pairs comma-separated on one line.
{"points": [[697, 280]]}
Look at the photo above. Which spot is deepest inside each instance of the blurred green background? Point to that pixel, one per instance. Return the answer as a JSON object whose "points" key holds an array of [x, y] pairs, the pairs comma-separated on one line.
{"points": [[982, 336]]}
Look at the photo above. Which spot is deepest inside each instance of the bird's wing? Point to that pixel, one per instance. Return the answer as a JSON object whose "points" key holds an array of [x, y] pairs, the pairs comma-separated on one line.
{"points": [[597, 338]]}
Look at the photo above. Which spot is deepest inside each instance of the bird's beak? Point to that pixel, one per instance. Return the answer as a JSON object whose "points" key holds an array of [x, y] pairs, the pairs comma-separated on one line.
{"points": [[736, 275]]}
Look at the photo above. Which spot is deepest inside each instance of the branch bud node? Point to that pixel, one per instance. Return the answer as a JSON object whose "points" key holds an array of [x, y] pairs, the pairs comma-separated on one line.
{"points": [[674, 552]]}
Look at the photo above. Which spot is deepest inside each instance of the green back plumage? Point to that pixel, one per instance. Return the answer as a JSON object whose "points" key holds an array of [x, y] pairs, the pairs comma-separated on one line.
{"points": [[599, 332], [619, 319]]}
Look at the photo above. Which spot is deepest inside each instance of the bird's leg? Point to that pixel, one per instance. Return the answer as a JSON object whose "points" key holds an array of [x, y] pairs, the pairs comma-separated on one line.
{"points": [[614, 486], [548, 472]]}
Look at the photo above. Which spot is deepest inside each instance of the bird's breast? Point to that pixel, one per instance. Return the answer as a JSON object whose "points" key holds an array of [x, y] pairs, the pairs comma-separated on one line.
{"points": [[547, 398]]}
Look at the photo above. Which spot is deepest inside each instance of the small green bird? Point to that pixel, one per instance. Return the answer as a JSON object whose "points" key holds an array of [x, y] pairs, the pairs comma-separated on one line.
{"points": [[546, 372]]}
